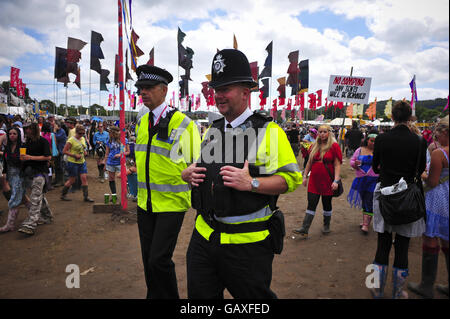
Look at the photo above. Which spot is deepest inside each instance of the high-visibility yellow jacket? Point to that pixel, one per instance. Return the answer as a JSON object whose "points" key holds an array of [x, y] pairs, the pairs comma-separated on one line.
{"points": [[274, 156], [159, 162]]}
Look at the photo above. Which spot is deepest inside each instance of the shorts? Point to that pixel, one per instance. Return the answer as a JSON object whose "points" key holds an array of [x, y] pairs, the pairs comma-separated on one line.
{"points": [[75, 169], [113, 168]]}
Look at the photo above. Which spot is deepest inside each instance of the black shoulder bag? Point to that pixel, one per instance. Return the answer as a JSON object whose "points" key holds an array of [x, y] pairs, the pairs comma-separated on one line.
{"points": [[338, 192], [406, 206]]}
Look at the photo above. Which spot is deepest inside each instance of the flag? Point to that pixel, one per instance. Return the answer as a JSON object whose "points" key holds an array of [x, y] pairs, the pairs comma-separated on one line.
{"points": [[372, 110], [412, 85], [360, 110], [446, 107], [14, 77], [293, 71], [339, 105], [319, 97], [235, 45], [127, 70], [60, 63], [135, 50], [75, 44], [388, 108], [302, 101], [289, 104], [78, 79], [262, 99], [96, 52], [151, 60], [254, 69], [355, 110], [104, 79], [303, 76], [349, 112], [267, 71], [184, 54], [109, 99], [300, 114], [265, 88], [273, 111], [312, 101]]}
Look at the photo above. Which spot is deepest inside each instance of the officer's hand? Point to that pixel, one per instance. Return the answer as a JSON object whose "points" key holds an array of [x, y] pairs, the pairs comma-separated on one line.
{"points": [[192, 174], [237, 178]]}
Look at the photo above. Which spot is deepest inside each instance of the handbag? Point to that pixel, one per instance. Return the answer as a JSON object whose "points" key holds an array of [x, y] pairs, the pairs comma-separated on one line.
{"points": [[54, 147], [338, 192], [406, 206]]}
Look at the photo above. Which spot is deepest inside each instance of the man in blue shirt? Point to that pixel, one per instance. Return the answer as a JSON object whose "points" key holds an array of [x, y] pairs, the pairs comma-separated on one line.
{"points": [[101, 137]]}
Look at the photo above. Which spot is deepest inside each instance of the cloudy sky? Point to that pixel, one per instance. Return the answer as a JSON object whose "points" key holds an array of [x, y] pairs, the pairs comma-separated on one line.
{"points": [[387, 40]]}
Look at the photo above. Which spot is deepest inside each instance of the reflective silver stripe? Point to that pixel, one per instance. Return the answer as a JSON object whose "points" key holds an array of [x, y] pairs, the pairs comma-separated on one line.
{"points": [[140, 147], [263, 212], [289, 168], [165, 187], [160, 150], [153, 149]]}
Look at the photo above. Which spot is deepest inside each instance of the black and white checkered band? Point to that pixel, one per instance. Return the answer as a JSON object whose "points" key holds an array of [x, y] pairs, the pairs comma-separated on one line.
{"points": [[153, 77]]}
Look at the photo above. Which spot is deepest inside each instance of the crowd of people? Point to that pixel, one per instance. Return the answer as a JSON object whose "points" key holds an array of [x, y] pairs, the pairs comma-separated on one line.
{"points": [[42, 155], [169, 170]]}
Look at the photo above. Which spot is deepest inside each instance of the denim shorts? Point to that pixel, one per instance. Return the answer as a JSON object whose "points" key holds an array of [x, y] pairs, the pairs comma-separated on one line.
{"points": [[113, 168], [76, 169]]}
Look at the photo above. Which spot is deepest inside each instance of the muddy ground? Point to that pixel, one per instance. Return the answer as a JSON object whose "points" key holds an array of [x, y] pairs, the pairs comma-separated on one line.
{"points": [[107, 249]]}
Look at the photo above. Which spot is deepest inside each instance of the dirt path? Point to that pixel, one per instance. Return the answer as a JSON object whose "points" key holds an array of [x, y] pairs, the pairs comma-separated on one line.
{"points": [[331, 266]]}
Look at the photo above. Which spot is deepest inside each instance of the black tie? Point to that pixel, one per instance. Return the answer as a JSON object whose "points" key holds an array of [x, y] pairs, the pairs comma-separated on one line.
{"points": [[151, 119]]}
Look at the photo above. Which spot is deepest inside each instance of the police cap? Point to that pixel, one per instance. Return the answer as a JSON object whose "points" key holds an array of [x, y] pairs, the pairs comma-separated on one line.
{"points": [[231, 66], [149, 75]]}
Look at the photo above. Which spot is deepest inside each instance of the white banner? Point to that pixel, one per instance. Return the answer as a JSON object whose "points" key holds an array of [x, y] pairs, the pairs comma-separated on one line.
{"points": [[349, 89]]}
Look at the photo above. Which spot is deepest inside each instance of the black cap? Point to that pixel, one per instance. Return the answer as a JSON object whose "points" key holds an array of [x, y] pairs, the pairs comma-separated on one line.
{"points": [[231, 66], [149, 75]]}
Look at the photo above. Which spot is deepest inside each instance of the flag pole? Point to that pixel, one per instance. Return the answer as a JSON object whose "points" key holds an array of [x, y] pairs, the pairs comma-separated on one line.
{"points": [[343, 120], [123, 174], [90, 86]]}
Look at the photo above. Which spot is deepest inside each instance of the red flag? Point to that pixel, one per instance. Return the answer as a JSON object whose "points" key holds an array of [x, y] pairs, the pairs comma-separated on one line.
{"points": [[19, 87], [289, 105], [312, 101], [297, 100], [273, 112], [340, 105], [151, 60], [14, 77], [262, 99], [109, 99], [281, 100], [319, 98], [302, 101], [283, 114], [293, 114]]}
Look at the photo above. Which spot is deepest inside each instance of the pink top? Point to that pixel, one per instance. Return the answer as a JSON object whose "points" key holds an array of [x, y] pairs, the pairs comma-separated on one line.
{"points": [[358, 171]]}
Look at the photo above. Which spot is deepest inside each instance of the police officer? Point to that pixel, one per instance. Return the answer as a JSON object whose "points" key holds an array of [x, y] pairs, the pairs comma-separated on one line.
{"points": [[165, 145], [246, 162]]}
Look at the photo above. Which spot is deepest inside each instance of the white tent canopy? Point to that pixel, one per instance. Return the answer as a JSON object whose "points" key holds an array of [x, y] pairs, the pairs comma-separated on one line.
{"points": [[338, 121]]}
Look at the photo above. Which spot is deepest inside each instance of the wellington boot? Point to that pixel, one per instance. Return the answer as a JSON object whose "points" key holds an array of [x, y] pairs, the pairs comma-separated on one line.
{"points": [[86, 194], [303, 231], [366, 222], [381, 276], [398, 281], [429, 271], [64, 192], [326, 224]]}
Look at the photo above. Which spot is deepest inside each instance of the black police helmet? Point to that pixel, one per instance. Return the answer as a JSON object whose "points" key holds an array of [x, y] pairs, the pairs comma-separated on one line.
{"points": [[231, 66], [149, 75]]}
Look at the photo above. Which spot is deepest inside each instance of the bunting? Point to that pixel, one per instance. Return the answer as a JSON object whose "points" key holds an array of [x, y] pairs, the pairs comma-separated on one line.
{"points": [[151, 60], [303, 76], [388, 108], [267, 71], [372, 110], [293, 71], [96, 52]]}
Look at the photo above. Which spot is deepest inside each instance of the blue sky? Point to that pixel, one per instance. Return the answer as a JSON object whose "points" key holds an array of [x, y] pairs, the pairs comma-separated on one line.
{"points": [[387, 40]]}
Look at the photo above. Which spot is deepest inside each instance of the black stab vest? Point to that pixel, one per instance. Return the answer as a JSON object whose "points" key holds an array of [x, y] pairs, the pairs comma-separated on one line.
{"points": [[212, 197]]}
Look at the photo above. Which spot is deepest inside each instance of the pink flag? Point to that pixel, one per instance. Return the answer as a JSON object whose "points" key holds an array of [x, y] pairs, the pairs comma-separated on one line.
{"points": [[446, 107], [109, 100], [283, 114], [14, 77]]}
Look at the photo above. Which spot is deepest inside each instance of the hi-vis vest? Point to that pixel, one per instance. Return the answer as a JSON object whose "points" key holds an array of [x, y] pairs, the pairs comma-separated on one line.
{"points": [[242, 217], [162, 153]]}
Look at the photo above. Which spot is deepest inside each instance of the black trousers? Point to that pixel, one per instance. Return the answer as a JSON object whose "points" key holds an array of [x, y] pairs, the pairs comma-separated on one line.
{"points": [[401, 246], [245, 270], [158, 233]]}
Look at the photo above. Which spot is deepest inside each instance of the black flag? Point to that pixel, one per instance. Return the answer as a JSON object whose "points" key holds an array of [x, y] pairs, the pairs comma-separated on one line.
{"points": [[96, 51], [104, 79]]}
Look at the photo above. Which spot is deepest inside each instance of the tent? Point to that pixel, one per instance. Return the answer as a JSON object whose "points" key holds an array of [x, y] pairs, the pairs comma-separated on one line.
{"points": [[338, 121]]}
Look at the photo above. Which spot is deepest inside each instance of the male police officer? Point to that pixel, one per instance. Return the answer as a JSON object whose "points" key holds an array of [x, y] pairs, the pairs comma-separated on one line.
{"points": [[246, 162], [165, 143]]}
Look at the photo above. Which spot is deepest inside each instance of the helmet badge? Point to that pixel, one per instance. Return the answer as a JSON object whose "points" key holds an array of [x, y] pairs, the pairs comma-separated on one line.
{"points": [[218, 64]]}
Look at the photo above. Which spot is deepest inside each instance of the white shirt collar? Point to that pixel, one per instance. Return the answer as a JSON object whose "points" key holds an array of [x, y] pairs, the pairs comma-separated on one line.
{"points": [[157, 111], [240, 119]]}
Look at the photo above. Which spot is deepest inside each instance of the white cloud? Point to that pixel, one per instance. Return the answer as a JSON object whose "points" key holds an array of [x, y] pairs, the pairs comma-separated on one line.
{"points": [[408, 37]]}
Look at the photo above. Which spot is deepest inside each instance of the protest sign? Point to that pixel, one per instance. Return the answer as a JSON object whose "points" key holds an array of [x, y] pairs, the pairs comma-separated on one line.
{"points": [[349, 89]]}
